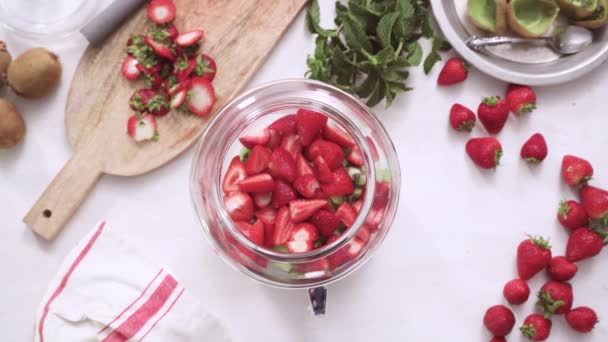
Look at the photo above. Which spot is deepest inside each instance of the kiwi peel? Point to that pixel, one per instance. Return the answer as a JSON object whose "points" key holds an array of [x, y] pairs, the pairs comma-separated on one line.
{"points": [[488, 15], [597, 19], [531, 18]]}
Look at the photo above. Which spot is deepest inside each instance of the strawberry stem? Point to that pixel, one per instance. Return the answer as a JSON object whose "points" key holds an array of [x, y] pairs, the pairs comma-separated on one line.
{"points": [[528, 330], [564, 209], [497, 156], [491, 100], [540, 241], [547, 303]]}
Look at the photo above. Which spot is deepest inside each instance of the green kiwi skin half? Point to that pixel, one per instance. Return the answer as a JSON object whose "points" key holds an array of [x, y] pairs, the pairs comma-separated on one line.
{"points": [[531, 18], [597, 19], [577, 9], [488, 15]]}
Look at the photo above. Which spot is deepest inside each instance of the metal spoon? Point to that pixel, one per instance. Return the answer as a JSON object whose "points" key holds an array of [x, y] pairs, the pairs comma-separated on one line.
{"points": [[566, 40]]}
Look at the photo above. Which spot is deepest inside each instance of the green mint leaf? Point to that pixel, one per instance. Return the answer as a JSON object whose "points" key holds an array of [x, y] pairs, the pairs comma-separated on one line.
{"points": [[355, 36], [414, 53], [430, 60], [385, 28], [313, 16], [426, 28], [365, 89], [377, 94]]}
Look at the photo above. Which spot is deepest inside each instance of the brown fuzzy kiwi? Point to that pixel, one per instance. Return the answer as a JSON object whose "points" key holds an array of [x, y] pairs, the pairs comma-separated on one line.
{"points": [[12, 126], [35, 73], [5, 61]]}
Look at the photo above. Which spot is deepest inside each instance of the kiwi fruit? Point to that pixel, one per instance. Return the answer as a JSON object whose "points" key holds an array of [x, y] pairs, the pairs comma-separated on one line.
{"points": [[35, 73], [12, 126], [5, 61]]}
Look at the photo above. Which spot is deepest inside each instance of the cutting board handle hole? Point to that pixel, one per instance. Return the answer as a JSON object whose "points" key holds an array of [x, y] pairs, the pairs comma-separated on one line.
{"points": [[47, 213]]}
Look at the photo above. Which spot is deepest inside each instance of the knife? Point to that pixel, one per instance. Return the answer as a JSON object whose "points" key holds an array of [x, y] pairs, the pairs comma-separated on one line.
{"points": [[98, 29]]}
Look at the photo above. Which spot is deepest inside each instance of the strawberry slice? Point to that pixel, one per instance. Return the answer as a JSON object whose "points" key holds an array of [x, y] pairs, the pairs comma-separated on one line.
{"points": [[189, 38], [259, 138], [140, 99], [234, 174], [282, 194], [346, 214], [142, 128], [355, 157], [159, 49], [254, 232], [285, 125], [282, 165], [207, 67], [373, 148], [178, 99], [381, 195], [326, 221], [357, 205], [291, 144], [312, 266], [181, 86], [267, 215], [282, 227], [303, 167], [258, 160], [184, 67], [331, 152], [302, 209], [363, 234], [129, 68], [309, 124], [154, 69], [373, 219], [161, 11], [304, 232], [268, 234], [201, 96], [239, 206], [262, 200], [336, 134], [308, 186], [323, 171], [258, 184], [341, 185], [274, 139], [299, 246], [346, 253]]}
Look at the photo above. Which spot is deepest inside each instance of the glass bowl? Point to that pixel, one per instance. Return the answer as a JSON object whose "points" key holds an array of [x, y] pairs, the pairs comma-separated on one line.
{"points": [[256, 109]]}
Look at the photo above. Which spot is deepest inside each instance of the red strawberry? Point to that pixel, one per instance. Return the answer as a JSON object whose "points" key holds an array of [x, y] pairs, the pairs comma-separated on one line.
{"points": [[178, 99], [595, 202], [341, 185], [331, 152], [533, 255], [307, 186], [189, 38], [234, 174], [536, 327], [239, 206], [493, 113], [357, 205], [485, 152], [534, 149], [258, 138], [297, 246], [258, 184], [159, 49], [381, 195], [159, 105], [349, 252], [274, 139], [129, 68], [582, 319], [303, 167], [572, 215], [267, 215], [140, 99], [142, 128], [576, 171], [355, 156], [285, 125], [560, 269], [462, 118], [177, 88], [201, 96], [304, 232], [521, 98], [363, 234], [584, 243], [555, 298], [206, 67], [302, 209], [309, 124], [312, 266], [326, 221], [336, 134], [373, 219], [254, 232], [346, 214], [161, 11], [282, 227], [282, 165], [499, 320], [168, 30], [291, 144], [184, 67], [373, 149], [454, 71], [322, 171], [516, 291], [498, 339], [262, 200], [153, 69], [282, 194], [258, 160]]}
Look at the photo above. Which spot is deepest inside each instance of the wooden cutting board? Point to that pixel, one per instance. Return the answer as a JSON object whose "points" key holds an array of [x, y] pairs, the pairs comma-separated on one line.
{"points": [[239, 34]]}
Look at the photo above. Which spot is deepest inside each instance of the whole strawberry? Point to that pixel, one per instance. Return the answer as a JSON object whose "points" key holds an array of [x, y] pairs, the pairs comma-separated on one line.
{"points": [[493, 113], [521, 99], [576, 171], [499, 320], [595, 202], [462, 118], [536, 327], [555, 298], [485, 152], [535, 149], [582, 319], [584, 243], [533, 255], [572, 215], [560, 269], [498, 339], [454, 71], [516, 291]]}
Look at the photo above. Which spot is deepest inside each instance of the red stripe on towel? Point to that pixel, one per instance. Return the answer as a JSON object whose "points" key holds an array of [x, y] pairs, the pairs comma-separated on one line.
{"points": [[66, 277], [163, 315]]}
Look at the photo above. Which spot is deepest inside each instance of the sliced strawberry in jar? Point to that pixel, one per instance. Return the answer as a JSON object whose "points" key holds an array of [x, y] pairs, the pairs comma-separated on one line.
{"points": [[282, 227], [342, 184], [189, 38], [308, 186], [304, 232], [129, 68], [268, 234], [363, 234], [291, 144], [331, 152], [373, 148], [274, 139], [285, 125], [312, 266], [234, 174], [258, 138], [282, 165], [282, 194], [299, 246], [357, 205], [262, 200], [202, 96], [309, 125], [258, 160], [355, 157], [239, 206], [373, 219], [346, 214], [381, 195], [336, 134], [323, 171], [267, 215], [258, 184], [159, 49], [254, 232], [303, 167], [326, 221], [302, 209], [345, 254], [161, 11]]}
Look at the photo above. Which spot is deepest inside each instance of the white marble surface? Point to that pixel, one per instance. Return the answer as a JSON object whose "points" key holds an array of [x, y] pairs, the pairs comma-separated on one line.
{"points": [[451, 248]]}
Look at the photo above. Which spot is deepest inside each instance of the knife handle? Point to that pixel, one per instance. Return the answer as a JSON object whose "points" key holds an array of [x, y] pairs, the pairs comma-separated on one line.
{"points": [[109, 20]]}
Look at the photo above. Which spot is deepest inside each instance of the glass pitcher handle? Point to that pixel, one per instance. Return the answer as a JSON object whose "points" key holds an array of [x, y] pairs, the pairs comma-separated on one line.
{"points": [[318, 298]]}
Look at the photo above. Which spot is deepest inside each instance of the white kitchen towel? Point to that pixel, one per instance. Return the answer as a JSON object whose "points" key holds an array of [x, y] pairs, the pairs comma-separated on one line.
{"points": [[105, 291]]}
